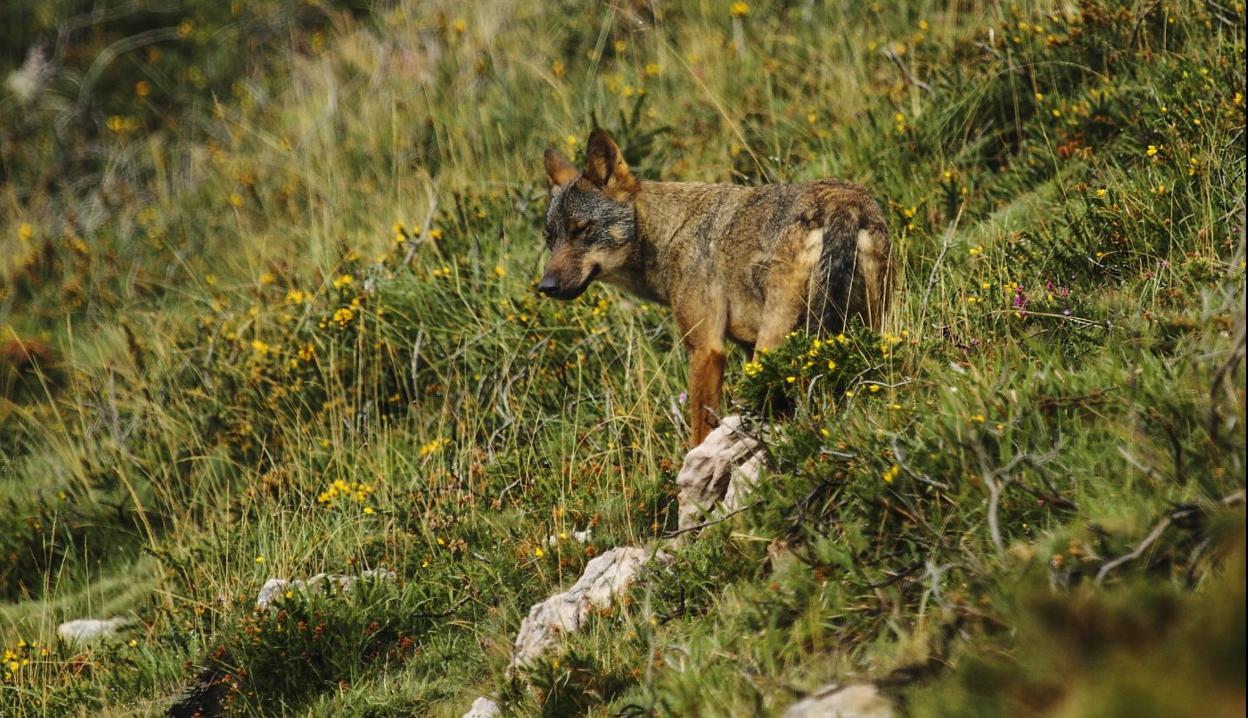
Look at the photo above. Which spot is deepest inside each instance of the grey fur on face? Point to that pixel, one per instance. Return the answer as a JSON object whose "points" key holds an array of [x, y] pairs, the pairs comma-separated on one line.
{"points": [[587, 217]]}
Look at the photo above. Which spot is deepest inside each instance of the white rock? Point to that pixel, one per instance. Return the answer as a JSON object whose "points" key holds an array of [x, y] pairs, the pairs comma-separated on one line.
{"points": [[723, 468], [581, 537], [604, 577], [276, 588], [34, 74], [85, 630], [483, 708], [836, 701]]}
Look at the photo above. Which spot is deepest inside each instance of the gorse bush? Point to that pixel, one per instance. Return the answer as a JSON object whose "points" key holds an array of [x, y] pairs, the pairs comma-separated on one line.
{"points": [[804, 367], [270, 311]]}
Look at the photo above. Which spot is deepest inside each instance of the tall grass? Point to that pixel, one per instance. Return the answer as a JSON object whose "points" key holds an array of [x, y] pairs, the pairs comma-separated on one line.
{"points": [[294, 330]]}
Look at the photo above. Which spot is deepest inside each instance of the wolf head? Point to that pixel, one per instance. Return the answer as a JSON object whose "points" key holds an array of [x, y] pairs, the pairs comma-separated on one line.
{"points": [[591, 226]]}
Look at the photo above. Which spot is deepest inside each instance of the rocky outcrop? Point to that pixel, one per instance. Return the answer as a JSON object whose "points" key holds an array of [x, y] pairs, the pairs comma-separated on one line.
{"points": [[716, 476], [719, 472], [604, 578]]}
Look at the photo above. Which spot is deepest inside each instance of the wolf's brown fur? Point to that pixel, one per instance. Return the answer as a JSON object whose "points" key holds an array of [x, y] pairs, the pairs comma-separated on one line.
{"points": [[748, 264]]}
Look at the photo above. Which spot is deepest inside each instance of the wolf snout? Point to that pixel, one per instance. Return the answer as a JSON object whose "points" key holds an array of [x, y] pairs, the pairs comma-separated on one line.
{"points": [[554, 285], [548, 286]]}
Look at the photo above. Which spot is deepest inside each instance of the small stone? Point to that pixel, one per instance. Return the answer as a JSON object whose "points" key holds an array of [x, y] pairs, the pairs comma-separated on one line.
{"points": [[581, 537], [276, 588], [85, 630], [483, 708], [857, 701]]}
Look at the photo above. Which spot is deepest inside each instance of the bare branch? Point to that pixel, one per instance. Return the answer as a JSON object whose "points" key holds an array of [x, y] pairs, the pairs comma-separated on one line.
{"points": [[704, 524], [1139, 550], [944, 249], [905, 71]]}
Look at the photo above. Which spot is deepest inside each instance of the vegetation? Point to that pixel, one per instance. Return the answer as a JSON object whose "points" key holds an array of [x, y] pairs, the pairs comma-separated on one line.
{"points": [[268, 309]]}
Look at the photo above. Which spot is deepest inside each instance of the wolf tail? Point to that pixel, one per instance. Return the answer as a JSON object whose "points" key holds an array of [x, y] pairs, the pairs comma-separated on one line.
{"points": [[854, 275]]}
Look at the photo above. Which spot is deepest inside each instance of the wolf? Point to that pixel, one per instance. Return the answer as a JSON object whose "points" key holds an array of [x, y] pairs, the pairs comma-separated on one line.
{"points": [[734, 263]]}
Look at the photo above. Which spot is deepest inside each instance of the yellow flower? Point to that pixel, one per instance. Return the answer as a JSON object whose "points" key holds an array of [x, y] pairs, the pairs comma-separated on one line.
{"points": [[538, 552], [235, 199], [739, 9], [307, 352], [499, 271], [653, 69], [267, 278], [435, 234], [344, 316], [432, 447], [295, 296], [343, 280], [892, 473], [259, 347], [119, 124], [1152, 150], [142, 88], [25, 231], [873, 388], [259, 559], [132, 643], [1101, 192]]}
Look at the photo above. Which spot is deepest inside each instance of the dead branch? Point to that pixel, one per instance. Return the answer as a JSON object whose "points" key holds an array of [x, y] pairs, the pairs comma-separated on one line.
{"points": [[945, 242], [998, 479], [905, 71], [1139, 550], [704, 524]]}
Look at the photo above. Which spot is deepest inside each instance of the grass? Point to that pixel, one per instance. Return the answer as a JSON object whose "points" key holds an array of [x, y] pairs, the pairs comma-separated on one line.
{"points": [[282, 312]]}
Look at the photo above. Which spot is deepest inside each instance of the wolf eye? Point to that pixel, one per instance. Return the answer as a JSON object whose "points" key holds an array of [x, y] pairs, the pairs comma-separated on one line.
{"points": [[582, 229]]}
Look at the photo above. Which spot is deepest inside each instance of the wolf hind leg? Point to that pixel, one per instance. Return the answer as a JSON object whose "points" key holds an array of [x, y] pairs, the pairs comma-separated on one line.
{"points": [[789, 286]]}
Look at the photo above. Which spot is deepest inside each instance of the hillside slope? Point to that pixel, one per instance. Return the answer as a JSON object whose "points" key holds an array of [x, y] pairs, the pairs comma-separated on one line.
{"points": [[270, 312]]}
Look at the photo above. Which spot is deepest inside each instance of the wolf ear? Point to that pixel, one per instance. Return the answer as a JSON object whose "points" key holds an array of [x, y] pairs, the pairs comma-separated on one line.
{"points": [[558, 170], [606, 168]]}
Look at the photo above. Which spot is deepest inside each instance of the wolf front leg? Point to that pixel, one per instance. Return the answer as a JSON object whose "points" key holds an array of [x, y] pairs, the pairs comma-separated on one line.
{"points": [[706, 380], [702, 316]]}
